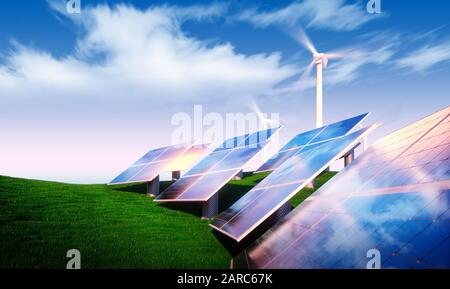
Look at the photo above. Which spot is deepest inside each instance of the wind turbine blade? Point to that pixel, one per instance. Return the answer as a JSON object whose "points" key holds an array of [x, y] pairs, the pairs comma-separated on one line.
{"points": [[251, 103], [307, 70], [300, 36], [302, 82], [340, 54], [333, 55]]}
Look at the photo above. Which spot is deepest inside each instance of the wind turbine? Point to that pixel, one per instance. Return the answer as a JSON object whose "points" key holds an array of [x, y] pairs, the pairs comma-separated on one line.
{"points": [[320, 60], [264, 122]]}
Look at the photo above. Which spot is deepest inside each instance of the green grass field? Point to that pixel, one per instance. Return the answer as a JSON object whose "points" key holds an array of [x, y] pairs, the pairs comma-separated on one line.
{"points": [[112, 226]]}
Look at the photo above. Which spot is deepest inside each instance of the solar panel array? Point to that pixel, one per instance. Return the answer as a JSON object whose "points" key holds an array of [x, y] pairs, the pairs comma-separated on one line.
{"points": [[205, 178], [395, 198], [154, 162], [318, 135], [277, 188]]}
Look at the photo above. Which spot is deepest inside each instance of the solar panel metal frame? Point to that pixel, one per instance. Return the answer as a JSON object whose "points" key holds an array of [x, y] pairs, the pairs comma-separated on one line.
{"points": [[311, 141], [187, 147], [301, 185], [235, 170], [405, 149]]}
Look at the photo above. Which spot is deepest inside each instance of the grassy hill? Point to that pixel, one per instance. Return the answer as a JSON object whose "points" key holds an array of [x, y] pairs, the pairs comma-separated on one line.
{"points": [[113, 227]]}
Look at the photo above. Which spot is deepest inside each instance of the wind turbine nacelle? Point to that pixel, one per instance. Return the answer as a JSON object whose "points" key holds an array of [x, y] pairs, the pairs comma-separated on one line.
{"points": [[320, 58]]}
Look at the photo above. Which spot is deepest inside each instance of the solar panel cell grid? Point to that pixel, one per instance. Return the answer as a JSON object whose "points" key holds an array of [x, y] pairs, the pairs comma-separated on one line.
{"points": [[170, 153], [216, 169], [154, 162], [236, 158], [182, 184], [394, 200], [315, 136], [302, 139], [276, 189], [347, 233], [281, 158], [204, 185], [208, 163], [230, 143], [434, 259], [150, 171], [237, 221], [127, 174], [150, 156]]}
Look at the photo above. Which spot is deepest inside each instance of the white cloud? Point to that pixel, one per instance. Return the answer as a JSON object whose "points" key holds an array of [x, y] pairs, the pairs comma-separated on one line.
{"points": [[70, 118], [145, 51], [375, 50], [425, 57], [348, 68], [327, 14]]}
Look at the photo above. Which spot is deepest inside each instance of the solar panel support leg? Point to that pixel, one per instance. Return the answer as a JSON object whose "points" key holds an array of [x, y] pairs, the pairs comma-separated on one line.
{"points": [[311, 184], [349, 157], [239, 175], [364, 143], [280, 213], [210, 208], [153, 187], [176, 175]]}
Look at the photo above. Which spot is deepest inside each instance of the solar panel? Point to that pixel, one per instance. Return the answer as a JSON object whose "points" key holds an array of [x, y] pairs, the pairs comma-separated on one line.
{"points": [[277, 188], [154, 162], [204, 179], [188, 158], [395, 198], [317, 135]]}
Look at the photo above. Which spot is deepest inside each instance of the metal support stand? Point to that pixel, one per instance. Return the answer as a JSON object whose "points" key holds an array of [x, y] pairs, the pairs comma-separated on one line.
{"points": [[278, 215], [210, 208], [153, 187], [364, 143], [282, 211], [239, 175], [311, 184], [176, 175], [349, 157]]}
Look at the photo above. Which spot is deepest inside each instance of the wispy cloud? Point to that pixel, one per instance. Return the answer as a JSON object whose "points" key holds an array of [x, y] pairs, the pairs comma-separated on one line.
{"points": [[349, 67], [424, 58], [371, 49], [146, 50], [325, 14], [132, 68]]}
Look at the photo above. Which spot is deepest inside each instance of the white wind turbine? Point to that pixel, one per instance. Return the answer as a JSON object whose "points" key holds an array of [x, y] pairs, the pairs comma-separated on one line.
{"points": [[264, 122], [321, 61]]}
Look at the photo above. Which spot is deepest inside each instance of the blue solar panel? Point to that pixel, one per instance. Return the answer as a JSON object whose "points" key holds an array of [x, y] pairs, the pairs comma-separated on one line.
{"points": [[317, 135], [150, 156], [339, 128], [247, 140], [158, 160], [127, 174], [207, 163], [395, 198], [277, 188], [203, 180]]}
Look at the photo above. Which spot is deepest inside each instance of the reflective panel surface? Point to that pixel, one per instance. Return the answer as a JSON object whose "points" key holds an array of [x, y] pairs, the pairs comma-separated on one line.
{"points": [[394, 198], [277, 188], [314, 136], [211, 173], [166, 159]]}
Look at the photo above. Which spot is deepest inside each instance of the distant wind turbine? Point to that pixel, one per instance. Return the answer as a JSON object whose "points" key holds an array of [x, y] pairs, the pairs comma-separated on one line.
{"points": [[321, 61], [264, 121]]}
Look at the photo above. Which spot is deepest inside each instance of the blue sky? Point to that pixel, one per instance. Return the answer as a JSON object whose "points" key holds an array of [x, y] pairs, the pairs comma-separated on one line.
{"points": [[87, 94]]}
